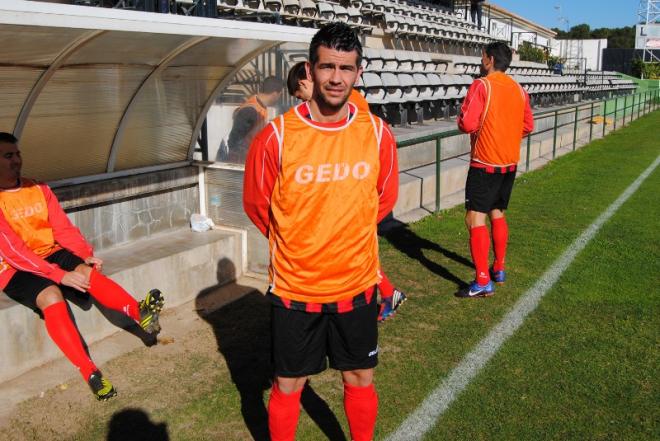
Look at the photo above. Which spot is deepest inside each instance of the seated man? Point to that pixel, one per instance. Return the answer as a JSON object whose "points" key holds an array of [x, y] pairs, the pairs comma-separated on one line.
{"points": [[41, 251]]}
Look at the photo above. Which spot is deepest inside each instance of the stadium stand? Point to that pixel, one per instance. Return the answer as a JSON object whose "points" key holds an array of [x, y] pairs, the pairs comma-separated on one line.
{"points": [[419, 61]]}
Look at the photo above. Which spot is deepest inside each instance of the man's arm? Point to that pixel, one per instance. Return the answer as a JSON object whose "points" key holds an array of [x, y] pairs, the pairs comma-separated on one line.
{"points": [[66, 234], [18, 255], [388, 179], [469, 118], [528, 119], [261, 169]]}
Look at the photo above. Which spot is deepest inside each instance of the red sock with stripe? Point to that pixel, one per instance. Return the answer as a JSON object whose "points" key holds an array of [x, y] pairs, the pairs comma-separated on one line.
{"points": [[113, 296], [65, 335], [479, 248], [361, 407], [500, 239], [283, 413], [385, 286]]}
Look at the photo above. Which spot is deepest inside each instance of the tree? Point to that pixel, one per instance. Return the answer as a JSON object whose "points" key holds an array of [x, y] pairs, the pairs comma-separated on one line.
{"points": [[617, 38], [528, 52]]}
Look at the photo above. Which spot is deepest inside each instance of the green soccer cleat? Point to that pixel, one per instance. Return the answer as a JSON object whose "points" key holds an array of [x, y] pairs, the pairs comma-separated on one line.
{"points": [[150, 309], [101, 387]]}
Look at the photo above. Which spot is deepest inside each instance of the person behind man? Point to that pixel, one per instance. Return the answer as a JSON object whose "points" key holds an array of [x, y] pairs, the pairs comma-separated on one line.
{"points": [[250, 117], [496, 113], [41, 252], [476, 11], [318, 179], [300, 86]]}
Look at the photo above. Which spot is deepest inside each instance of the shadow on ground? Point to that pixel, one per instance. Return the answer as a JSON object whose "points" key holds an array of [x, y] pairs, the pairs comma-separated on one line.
{"points": [[242, 332], [134, 425], [409, 243]]}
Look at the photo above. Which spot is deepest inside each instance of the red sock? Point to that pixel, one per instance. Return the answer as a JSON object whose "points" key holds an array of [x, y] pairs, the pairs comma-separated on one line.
{"points": [[479, 248], [113, 296], [361, 407], [65, 335], [385, 286], [500, 239], [283, 413]]}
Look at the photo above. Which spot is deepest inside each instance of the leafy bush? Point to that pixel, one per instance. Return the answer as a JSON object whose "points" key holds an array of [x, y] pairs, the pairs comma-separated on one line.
{"points": [[528, 52]]}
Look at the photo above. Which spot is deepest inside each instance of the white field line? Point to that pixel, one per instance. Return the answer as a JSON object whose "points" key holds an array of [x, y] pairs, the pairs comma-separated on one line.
{"points": [[426, 415]]}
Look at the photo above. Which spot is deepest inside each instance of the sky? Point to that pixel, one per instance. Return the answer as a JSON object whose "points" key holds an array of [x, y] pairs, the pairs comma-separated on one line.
{"points": [[596, 13]]}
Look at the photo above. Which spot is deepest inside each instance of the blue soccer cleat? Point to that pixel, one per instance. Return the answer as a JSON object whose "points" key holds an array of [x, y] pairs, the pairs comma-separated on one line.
{"points": [[498, 277], [389, 305], [476, 290]]}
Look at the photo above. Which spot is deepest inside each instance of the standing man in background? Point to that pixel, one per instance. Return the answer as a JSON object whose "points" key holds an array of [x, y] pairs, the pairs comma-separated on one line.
{"points": [[476, 11], [318, 179], [496, 113]]}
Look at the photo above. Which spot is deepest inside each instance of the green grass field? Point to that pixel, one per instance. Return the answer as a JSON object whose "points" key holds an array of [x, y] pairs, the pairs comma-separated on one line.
{"points": [[584, 366]]}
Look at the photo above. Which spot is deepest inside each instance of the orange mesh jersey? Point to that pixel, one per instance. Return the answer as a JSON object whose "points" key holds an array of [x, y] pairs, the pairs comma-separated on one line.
{"points": [[26, 212], [262, 112], [32, 227], [496, 112], [317, 191], [359, 101]]}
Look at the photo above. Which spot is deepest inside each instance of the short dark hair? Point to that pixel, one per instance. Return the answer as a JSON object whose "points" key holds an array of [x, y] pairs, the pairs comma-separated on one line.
{"points": [[271, 84], [501, 53], [8, 138], [296, 74], [338, 36]]}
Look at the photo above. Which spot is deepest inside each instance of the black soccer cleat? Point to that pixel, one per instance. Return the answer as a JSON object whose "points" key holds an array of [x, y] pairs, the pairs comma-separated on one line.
{"points": [[101, 387], [150, 309]]}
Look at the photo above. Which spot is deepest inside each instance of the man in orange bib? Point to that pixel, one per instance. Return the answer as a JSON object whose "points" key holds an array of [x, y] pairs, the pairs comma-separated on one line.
{"points": [[496, 113], [42, 251], [300, 86], [318, 179]]}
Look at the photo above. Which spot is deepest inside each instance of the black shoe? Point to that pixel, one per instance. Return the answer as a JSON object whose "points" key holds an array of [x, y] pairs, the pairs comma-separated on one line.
{"points": [[150, 309], [101, 387]]}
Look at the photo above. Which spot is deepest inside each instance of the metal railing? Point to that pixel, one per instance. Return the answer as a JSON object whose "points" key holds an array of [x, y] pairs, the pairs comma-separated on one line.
{"points": [[642, 103]]}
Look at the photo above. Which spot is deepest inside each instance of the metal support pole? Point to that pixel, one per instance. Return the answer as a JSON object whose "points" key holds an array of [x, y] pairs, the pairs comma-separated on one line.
{"points": [[616, 104], [604, 115], [204, 141], [529, 146], [438, 146], [591, 123], [625, 106], [575, 124], [646, 101], [554, 137]]}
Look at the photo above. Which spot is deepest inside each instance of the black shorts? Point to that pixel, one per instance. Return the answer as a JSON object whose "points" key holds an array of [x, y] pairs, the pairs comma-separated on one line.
{"points": [[301, 341], [488, 191], [24, 287]]}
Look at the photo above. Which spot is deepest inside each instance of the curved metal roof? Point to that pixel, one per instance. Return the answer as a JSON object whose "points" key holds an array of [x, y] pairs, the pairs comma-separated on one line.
{"points": [[95, 93]]}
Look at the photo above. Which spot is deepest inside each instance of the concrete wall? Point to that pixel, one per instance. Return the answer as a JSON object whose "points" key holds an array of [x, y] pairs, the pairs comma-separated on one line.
{"points": [[118, 211], [591, 49]]}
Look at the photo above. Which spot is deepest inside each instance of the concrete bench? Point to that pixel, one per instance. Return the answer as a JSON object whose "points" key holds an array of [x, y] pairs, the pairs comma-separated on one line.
{"points": [[181, 264]]}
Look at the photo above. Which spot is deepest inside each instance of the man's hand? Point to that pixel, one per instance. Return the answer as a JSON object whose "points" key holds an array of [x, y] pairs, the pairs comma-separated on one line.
{"points": [[95, 262], [76, 281]]}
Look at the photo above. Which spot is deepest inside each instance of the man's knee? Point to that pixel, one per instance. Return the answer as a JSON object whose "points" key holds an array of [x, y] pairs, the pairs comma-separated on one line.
{"points": [[290, 385], [496, 214], [359, 377], [84, 269], [49, 296], [474, 219]]}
